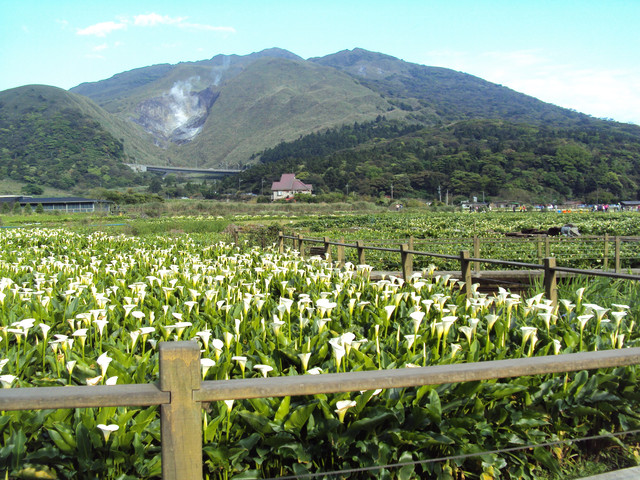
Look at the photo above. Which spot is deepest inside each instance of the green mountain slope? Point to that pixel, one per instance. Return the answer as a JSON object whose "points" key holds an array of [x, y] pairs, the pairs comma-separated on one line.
{"points": [[273, 100], [123, 84], [138, 145], [495, 158], [122, 92], [223, 110], [441, 95], [49, 136]]}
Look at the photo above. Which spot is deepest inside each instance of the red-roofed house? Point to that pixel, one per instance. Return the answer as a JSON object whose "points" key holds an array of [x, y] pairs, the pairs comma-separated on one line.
{"points": [[288, 186]]}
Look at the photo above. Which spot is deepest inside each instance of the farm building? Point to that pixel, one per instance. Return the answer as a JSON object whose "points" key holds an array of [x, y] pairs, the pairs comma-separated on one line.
{"points": [[63, 204], [630, 205], [288, 186]]}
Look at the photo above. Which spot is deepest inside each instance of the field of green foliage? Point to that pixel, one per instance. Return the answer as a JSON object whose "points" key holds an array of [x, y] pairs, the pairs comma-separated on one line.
{"points": [[451, 232], [81, 308]]}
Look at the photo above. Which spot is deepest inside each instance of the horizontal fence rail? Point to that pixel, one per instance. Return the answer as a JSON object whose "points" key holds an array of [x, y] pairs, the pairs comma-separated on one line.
{"points": [[548, 267], [412, 377], [611, 252], [180, 392], [135, 395]]}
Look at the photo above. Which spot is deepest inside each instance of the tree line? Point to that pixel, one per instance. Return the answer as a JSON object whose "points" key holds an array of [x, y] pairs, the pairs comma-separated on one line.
{"points": [[65, 150], [494, 158]]}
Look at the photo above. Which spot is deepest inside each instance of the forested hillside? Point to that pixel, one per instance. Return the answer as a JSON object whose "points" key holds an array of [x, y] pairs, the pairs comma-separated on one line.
{"points": [[469, 158], [47, 140], [354, 121]]}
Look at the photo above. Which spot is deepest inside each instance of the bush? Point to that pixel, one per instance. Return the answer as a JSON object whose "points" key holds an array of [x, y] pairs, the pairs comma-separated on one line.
{"points": [[154, 209]]}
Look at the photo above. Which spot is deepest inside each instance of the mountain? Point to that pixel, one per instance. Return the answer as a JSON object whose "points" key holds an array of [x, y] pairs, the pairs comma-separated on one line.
{"points": [[49, 136], [441, 95], [223, 110], [274, 110], [274, 100]]}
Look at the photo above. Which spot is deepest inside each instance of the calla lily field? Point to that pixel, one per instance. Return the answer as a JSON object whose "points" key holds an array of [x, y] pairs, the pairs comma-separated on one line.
{"points": [[90, 309]]}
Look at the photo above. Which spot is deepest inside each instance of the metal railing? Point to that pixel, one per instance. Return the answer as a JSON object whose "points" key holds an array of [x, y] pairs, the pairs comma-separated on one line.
{"points": [[180, 392]]}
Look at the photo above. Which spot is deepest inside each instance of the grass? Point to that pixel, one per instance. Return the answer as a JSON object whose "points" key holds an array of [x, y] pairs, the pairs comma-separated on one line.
{"points": [[13, 187], [577, 467], [51, 219], [175, 226], [230, 208]]}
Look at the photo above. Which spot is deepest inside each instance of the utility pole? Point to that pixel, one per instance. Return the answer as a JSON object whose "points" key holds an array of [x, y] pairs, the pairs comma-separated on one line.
{"points": [[262, 188], [439, 194], [392, 191]]}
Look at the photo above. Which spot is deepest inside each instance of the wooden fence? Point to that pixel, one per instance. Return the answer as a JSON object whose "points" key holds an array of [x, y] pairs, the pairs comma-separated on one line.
{"points": [[549, 266], [180, 392], [609, 252]]}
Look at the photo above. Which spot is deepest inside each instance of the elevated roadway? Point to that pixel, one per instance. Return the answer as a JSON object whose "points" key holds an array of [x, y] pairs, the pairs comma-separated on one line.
{"points": [[165, 169]]}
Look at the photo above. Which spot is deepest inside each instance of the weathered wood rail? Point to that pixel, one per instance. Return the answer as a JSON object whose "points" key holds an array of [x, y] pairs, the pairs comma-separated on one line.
{"points": [[549, 266], [611, 252], [180, 392]]}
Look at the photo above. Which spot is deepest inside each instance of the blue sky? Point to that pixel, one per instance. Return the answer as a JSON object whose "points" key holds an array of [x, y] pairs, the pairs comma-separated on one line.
{"points": [[580, 54]]}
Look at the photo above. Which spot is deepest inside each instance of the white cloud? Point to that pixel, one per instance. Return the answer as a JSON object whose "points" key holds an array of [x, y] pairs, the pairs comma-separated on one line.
{"points": [[605, 93], [209, 28], [520, 58], [149, 20], [99, 48], [601, 93], [101, 29], [152, 19]]}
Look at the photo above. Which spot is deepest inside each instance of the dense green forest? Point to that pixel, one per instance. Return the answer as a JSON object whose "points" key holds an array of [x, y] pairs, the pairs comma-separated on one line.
{"points": [[493, 158], [64, 149]]}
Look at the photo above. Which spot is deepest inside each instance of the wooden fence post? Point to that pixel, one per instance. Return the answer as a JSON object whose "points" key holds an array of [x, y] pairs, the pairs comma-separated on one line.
{"points": [[360, 248], [181, 422], [476, 251], [617, 254], [407, 262], [300, 245], [547, 247], [540, 257], [550, 280], [327, 249], [281, 242], [605, 253], [465, 271], [341, 253]]}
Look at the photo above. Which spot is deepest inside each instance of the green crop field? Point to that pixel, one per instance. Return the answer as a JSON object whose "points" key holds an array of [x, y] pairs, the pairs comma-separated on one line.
{"points": [[87, 305]]}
